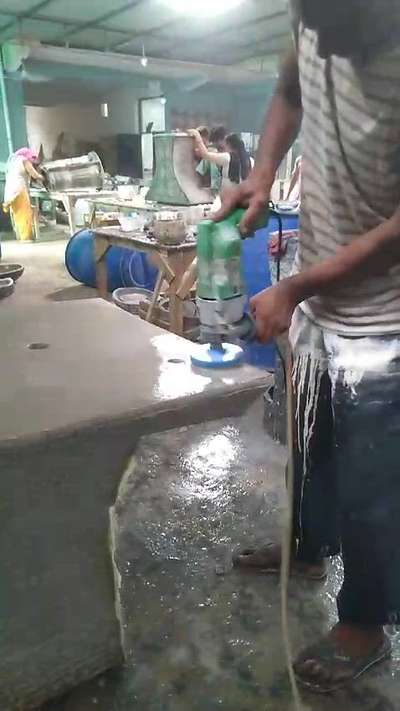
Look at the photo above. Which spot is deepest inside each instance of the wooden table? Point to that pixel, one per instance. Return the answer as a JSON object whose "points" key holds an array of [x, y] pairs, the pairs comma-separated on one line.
{"points": [[137, 204], [116, 204], [69, 199], [177, 269]]}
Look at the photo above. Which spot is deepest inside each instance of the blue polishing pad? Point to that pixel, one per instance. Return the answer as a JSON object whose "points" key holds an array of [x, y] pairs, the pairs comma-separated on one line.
{"points": [[208, 356]]}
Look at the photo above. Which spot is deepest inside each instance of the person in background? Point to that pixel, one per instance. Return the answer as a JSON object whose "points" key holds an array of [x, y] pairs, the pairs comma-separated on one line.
{"points": [[210, 171], [21, 168], [203, 166], [234, 163], [217, 138], [204, 132]]}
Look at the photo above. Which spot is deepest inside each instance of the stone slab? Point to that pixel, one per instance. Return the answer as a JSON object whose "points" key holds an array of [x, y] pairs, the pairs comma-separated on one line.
{"points": [[71, 415], [99, 365]]}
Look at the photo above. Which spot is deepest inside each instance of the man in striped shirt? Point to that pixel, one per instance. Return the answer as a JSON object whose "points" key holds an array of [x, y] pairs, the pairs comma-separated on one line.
{"points": [[342, 305]]}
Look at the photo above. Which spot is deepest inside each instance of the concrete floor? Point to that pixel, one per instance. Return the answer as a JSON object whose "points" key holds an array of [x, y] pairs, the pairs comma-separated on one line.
{"points": [[198, 635], [45, 275]]}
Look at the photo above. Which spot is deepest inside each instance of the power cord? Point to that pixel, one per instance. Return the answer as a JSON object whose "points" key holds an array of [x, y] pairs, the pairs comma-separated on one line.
{"points": [[286, 550], [286, 553]]}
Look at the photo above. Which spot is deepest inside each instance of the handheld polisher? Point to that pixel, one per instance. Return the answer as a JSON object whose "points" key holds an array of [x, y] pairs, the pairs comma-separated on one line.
{"points": [[221, 298]]}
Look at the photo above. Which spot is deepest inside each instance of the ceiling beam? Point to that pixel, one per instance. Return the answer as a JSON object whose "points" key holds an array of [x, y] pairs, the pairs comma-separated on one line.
{"points": [[222, 31], [228, 54], [40, 17], [256, 50], [25, 15], [244, 45], [144, 33], [96, 21]]}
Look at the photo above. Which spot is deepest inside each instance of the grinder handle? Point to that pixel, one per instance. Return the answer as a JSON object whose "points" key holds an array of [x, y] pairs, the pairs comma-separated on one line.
{"points": [[237, 215]]}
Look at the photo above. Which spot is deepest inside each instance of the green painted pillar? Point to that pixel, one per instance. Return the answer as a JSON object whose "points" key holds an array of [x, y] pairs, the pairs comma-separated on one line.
{"points": [[12, 111], [13, 132]]}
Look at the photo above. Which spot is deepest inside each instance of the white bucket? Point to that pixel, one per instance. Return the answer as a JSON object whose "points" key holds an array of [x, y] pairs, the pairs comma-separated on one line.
{"points": [[81, 212]]}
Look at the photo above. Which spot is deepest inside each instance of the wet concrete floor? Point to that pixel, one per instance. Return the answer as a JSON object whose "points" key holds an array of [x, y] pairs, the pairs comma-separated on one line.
{"points": [[198, 635]]}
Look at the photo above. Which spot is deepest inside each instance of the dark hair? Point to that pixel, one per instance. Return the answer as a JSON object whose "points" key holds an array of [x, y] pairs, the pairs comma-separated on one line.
{"points": [[204, 132], [218, 134], [240, 164]]}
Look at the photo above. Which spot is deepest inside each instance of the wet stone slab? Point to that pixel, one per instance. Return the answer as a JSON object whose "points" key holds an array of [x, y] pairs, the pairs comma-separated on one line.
{"points": [[197, 634]]}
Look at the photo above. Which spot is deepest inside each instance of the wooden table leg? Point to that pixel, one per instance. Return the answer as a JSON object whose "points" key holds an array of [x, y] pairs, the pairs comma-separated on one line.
{"points": [[162, 263], [155, 296], [188, 280], [36, 223], [92, 215], [176, 313], [101, 247]]}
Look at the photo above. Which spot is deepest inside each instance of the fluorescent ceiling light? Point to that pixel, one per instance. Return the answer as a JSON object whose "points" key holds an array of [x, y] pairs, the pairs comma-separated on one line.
{"points": [[143, 60], [204, 8]]}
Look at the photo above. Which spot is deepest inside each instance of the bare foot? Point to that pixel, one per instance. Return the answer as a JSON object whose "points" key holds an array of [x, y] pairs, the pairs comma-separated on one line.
{"points": [[267, 559]]}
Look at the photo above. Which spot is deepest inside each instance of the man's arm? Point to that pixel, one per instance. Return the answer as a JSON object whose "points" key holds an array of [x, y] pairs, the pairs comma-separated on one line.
{"points": [[281, 127], [370, 255]]}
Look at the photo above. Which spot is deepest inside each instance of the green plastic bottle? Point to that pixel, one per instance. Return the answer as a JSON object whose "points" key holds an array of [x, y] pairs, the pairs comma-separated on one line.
{"points": [[219, 248]]}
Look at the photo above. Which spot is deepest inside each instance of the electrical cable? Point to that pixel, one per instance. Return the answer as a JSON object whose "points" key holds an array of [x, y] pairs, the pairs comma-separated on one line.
{"points": [[286, 552], [286, 549]]}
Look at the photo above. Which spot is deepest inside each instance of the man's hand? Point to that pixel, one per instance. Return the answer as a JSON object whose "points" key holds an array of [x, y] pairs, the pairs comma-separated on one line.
{"points": [[254, 194], [273, 309]]}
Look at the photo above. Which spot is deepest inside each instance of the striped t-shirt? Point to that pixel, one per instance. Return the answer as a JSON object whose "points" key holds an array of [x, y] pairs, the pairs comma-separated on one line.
{"points": [[350, 179]]}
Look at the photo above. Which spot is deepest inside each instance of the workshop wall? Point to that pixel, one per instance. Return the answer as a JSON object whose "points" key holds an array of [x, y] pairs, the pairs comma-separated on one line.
{"points": [[46, 124], [83, 124], [211, 105]]}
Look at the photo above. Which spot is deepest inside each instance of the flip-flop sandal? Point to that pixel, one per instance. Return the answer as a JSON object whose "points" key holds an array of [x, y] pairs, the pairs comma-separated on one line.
{"points": [[340, 668], [252, 560]]}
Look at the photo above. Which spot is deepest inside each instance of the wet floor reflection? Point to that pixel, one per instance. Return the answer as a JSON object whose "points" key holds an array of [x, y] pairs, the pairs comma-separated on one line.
{"points": [[199, 635]]}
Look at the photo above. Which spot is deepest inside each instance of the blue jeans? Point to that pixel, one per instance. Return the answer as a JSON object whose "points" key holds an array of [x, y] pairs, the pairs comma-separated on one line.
{"points": [[347, 464]]}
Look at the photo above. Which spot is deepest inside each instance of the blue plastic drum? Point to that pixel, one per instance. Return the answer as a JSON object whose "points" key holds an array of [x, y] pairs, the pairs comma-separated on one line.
{"points": [[257, 276], [125, 267]]}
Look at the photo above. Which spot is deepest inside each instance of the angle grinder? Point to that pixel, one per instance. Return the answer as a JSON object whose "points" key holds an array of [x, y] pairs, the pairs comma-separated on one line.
{"points": [[221, 298]]}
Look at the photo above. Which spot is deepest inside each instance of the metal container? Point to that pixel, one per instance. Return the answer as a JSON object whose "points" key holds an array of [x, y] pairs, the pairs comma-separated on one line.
{"points": [[81, 173], [175, 180], [170, 232], [130, 298]]}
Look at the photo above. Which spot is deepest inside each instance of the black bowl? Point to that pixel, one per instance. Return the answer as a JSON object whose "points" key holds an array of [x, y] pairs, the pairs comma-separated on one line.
{"points": [[12, 271]]}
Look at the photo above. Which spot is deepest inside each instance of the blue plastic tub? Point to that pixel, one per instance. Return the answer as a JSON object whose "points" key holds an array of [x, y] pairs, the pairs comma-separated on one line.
{"points": [[256, 271], [125, 267]]}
